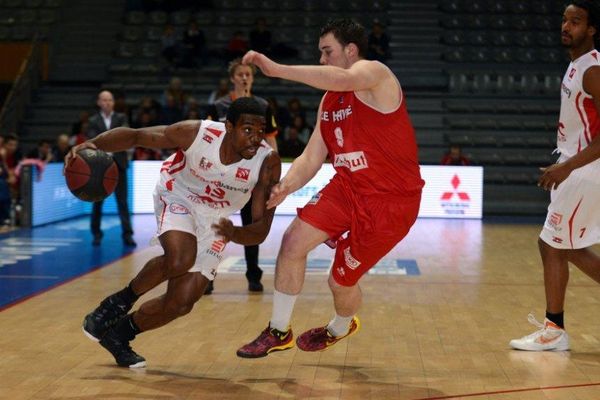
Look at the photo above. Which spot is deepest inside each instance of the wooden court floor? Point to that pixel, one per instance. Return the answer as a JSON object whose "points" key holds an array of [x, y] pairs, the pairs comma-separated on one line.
{"points": [[440, 335]]}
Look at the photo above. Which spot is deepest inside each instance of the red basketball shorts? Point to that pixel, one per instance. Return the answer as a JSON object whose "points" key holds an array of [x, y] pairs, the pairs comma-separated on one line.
{"points": [[375, 224]]}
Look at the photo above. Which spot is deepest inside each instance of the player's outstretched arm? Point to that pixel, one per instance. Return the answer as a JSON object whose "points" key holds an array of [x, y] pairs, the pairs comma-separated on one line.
{"points": [[362, 75], [180, 135], [257, 231]]}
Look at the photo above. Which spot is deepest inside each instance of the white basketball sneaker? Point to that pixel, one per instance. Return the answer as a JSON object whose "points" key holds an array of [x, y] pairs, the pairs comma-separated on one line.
{"points": [[549, 337]]}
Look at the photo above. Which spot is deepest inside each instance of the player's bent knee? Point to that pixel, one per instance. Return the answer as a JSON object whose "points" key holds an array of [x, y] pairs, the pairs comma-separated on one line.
{"points": [[179, 310], [176, 266]]}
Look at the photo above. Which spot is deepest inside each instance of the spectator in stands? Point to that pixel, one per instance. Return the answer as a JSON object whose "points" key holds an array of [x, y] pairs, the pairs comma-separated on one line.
{"points": [[379, 43], [221, 90], [4, 190], [291, 145], [194, 47], [12, 156], [121, 105], [282, 115], [104, 120], [147, 106], [171, 112], [295, 108], [81, 136], [42, 152], [169, 45], [260, 37], [61, 148], [303, 130], [175, 89], [237, 46], [84, 116], [454, 156]]}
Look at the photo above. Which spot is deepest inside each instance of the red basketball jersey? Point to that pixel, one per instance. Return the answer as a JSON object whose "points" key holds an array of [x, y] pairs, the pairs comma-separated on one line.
{"points": [[374, 152]]}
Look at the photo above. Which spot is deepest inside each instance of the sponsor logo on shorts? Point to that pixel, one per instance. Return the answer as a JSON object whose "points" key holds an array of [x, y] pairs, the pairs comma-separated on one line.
{"points": [[556, 239], [315, 199], [207, 138], [351, 262], [554, 220], [218, 245], [354, 161], [242, 174], [175, 208], [341, 271]]}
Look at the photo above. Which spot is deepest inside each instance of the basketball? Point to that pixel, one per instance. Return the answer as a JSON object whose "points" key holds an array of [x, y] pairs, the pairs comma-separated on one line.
{"points": [[92, 175]]}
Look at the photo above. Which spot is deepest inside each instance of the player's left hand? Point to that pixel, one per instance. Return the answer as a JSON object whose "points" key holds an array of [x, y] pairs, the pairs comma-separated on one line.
{"points": [[553, 176], [224, 228]]}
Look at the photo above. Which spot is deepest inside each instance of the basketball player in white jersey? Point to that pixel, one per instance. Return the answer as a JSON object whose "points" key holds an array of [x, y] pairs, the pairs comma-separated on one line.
{"points": [[573, 222], [213, 173]]}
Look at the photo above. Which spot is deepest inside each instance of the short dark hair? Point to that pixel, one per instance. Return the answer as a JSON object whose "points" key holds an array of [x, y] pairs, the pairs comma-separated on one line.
{"points": [[593, 11], [347, 31], [244, 105], [234, 64]]}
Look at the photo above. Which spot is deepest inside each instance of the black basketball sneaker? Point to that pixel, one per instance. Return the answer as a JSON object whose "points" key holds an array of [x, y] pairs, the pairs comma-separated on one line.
{"points": [[99, 321], [122, 351]]}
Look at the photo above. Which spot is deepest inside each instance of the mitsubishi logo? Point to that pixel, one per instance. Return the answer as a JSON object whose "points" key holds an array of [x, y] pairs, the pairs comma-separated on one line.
{"points": [[464, 196]]}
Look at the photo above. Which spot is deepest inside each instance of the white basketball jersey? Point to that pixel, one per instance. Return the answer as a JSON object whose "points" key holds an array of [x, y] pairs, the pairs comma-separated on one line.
{"points": [[579, 122], [198, 175]]}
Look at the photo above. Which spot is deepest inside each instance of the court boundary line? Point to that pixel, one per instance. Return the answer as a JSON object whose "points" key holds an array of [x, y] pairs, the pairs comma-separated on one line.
{"points": [[506, 391]]}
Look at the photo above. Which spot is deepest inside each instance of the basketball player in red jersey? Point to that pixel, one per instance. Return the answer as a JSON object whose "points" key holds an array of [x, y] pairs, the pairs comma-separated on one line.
{"points": [[371, 202]]}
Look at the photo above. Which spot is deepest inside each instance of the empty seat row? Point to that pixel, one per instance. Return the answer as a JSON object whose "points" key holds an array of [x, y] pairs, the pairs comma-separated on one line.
{"points": [[27, 17], [498, 22], [28, 4], [496, 122], [510, 157], [517, 7], [304, 5], [523, 140], [501, 38], [505, 54], [505, 83], [21, 32], [501, 106]]}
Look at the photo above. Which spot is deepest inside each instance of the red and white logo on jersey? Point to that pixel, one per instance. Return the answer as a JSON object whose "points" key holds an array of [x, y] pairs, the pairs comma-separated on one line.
{"points": [[354, 161], [463, 196], [205, 164], [554, 220], [175, 208], [572, 73], [215, 132], [218, 245], [242, 174]]}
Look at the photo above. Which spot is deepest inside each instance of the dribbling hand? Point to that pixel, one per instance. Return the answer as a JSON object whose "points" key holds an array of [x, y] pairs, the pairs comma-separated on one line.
{"points": [[73, 152], [224, 228]]}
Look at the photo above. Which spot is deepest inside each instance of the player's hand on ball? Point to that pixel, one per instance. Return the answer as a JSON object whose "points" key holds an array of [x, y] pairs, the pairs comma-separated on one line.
{"points": [[224, 228], [73, 152]]}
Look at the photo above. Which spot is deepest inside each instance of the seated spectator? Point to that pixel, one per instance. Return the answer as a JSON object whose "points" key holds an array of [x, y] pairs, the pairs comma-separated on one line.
{"points": [[303, 131], [42, 152], [194, 47], [169, 45], [147, 106], [237, 46], [221, 90], [295, 108], [12, 156], [4, 191], [454, 156], [175, 89], [61, 148], [260, 37], [379, 44], [291, 146], [171, 112]]}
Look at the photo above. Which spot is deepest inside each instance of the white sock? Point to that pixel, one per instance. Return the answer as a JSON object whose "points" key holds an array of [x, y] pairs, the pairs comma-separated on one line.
{"points": [[339, 326], [283, 305]]}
